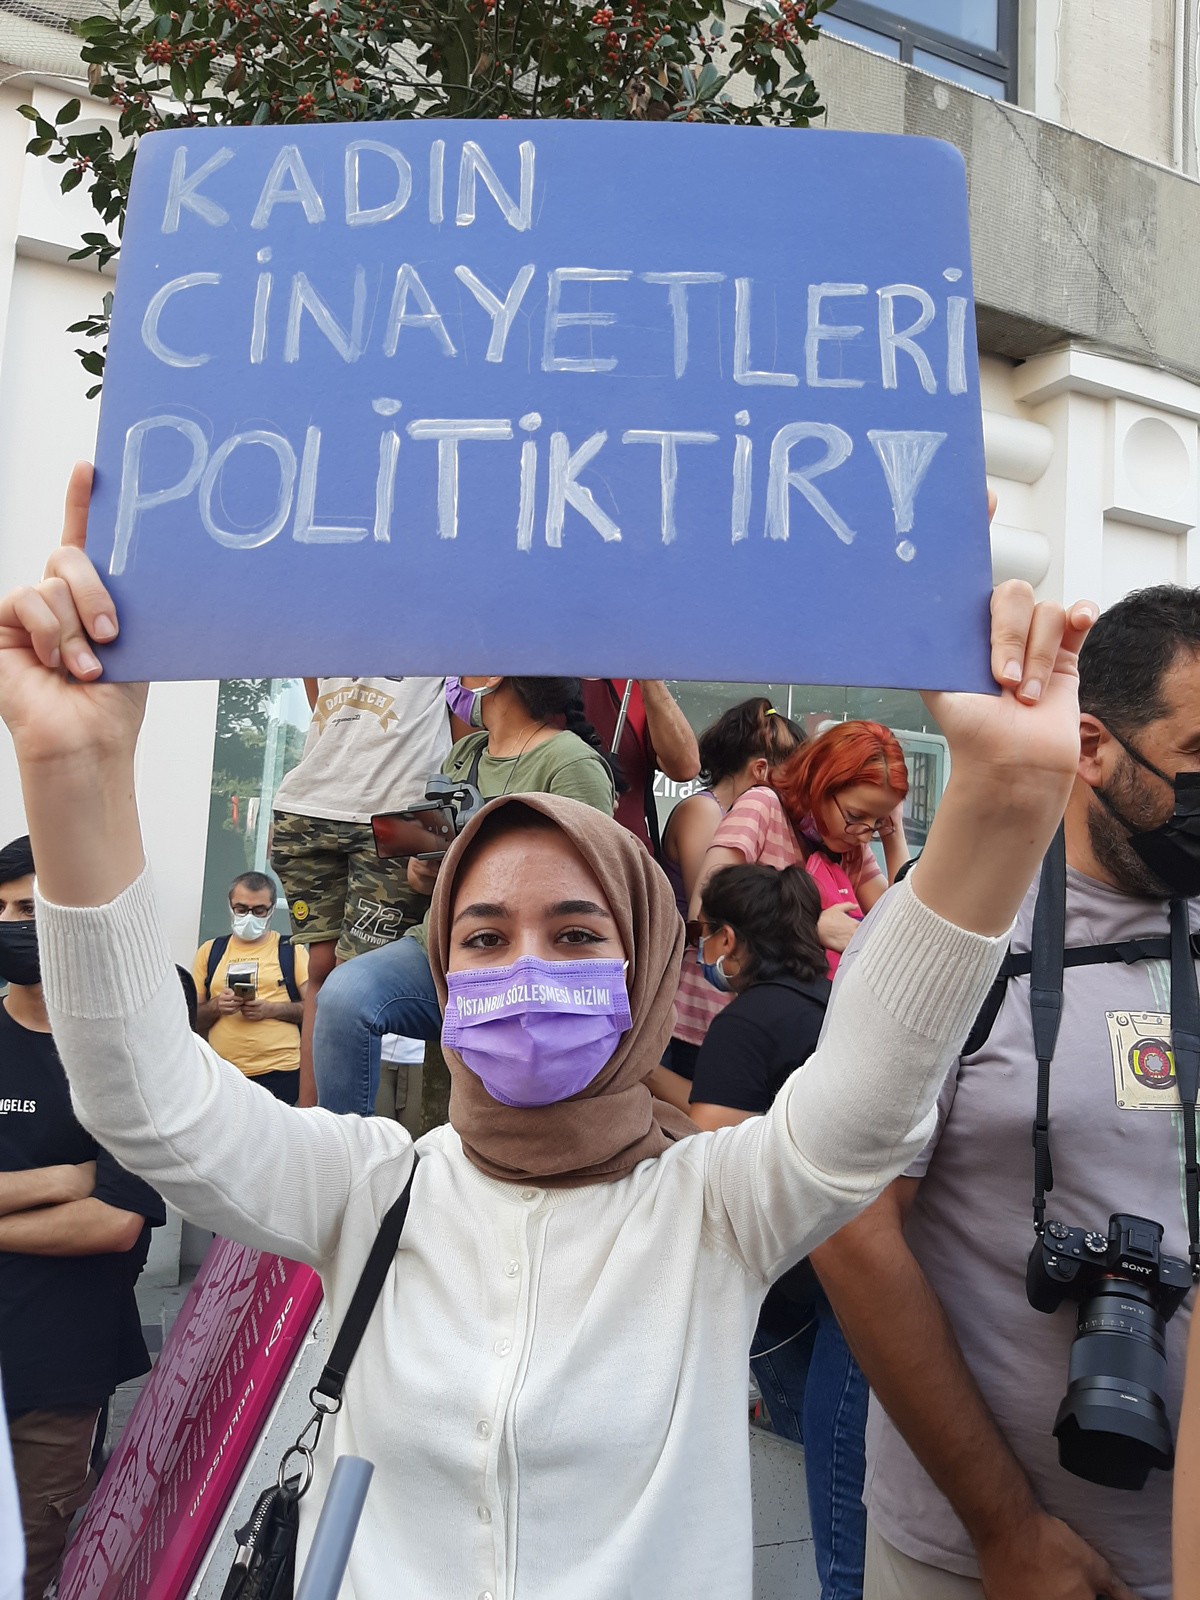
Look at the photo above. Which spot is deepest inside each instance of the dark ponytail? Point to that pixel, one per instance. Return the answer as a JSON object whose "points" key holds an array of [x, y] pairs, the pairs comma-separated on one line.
{"points": [[563, 697], [748, 730], [577, 723], [774, 915]]}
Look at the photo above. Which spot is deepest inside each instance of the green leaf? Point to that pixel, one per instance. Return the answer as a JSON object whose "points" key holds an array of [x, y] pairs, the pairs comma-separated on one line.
{"points": [[38, 147], [68, 113], [72, 180], [93, 391], [28, 112], [92, 361]]}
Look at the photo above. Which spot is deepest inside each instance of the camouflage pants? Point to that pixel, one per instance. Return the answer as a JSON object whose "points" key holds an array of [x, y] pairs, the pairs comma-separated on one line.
{"points": [[338, 888]]}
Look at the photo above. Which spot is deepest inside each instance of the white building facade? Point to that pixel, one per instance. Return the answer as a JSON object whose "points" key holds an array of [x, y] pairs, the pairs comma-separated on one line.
{"points": [[1080, 124]]}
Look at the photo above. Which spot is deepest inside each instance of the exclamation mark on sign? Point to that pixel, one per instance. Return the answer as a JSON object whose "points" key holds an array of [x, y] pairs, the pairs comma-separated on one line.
{"points": [[905, 459]]}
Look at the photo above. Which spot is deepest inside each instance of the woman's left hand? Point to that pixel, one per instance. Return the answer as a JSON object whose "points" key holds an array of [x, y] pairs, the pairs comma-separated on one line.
{"points": [[1029, 734]]}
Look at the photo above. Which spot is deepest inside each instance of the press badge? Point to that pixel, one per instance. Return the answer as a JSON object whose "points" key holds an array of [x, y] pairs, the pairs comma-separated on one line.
{"points": [[1143, 1062]]}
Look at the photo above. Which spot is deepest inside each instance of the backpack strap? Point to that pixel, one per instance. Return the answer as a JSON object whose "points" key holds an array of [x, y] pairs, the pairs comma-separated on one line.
{"points": [[215, 951], [287, 966]]}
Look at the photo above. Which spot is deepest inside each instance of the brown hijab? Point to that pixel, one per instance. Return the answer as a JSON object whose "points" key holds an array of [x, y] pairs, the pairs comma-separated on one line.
{"points": [[601, 1133]]}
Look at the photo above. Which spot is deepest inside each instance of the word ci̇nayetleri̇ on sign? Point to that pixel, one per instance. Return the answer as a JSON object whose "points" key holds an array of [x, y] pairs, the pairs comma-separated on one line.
{"points": [[583, 398]]}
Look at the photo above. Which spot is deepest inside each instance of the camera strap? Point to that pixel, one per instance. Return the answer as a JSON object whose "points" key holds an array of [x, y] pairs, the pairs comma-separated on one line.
{"points": [[1047, 964], [1185, 1046], [1045, 1006]]}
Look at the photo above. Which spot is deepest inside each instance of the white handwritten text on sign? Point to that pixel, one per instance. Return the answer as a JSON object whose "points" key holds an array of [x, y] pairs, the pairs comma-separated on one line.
{"points": [[362, 369]]}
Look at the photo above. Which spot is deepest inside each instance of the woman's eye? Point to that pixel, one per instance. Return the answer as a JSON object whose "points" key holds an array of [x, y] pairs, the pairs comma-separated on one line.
{"points": [[485, 939], [580, 936]]}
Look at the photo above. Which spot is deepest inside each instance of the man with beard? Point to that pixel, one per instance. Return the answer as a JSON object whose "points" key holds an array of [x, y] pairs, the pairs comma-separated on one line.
{"points": [[965, 1492], [74, 1233]]}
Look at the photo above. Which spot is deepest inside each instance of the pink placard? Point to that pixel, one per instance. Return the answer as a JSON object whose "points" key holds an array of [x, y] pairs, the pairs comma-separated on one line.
{"points": [[183, 1451]]}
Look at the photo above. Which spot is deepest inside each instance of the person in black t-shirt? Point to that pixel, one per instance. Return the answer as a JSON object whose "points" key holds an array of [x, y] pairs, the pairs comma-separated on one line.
{"points": [[74, 1233], [757, 935]]}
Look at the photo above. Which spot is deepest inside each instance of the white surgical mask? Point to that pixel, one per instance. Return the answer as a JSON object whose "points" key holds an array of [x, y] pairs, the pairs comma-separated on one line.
{"points": [[249, 927]]}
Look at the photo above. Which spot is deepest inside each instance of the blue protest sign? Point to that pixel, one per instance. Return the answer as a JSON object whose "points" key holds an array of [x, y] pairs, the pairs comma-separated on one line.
{"points": [[566, 397]]}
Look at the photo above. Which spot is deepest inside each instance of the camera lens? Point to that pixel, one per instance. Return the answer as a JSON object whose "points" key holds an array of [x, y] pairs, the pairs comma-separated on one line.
{"points": [[1112, 1426]]}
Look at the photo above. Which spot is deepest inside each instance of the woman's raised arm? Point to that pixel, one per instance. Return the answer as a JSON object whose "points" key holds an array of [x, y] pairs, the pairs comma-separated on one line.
{"points": [[226, 1153]]}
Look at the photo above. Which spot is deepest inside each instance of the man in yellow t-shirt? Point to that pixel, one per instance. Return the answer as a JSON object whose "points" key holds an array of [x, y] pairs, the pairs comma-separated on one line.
{"points": [[252, 1001]]}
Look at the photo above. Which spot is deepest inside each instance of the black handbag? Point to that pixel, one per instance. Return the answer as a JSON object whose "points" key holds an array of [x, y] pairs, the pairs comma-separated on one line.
{"points": [[265, 1565]]}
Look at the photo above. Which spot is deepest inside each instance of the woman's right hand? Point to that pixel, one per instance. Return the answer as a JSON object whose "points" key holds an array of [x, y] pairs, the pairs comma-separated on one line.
{"points": [[422, 875], [837, 925], [50, 698]]}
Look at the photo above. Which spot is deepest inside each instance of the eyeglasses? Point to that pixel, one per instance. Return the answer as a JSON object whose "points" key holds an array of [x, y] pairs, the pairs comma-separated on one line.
{"points": [[697, 929], [863, 827], [240, 910]]}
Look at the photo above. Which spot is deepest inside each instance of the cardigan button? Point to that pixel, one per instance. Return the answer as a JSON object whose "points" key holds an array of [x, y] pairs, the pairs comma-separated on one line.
{"points": [[531, 1194], [502, 1346], [486, 1595], [511, 1269], [484, 1430], [484, 1514]]}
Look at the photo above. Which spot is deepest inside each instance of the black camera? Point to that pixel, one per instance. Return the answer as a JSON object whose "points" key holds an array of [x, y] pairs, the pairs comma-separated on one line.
{"points": [[1112, 1426], [426, 831]]}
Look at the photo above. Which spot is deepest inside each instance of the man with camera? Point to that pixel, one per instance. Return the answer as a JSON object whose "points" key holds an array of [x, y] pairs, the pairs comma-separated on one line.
{"points": [[1026, 1362], [251, 984]]}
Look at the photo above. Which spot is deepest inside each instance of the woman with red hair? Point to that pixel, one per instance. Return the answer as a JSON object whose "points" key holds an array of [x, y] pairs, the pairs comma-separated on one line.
{"points": [[820, 809]]}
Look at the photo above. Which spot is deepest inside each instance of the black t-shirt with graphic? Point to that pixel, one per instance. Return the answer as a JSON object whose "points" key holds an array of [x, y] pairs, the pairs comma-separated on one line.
{"points": [[69, 1325]]}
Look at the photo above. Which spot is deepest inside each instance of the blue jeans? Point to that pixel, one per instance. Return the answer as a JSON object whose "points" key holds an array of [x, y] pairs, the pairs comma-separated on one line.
{"points": [[388, 991], [817, 1397]]}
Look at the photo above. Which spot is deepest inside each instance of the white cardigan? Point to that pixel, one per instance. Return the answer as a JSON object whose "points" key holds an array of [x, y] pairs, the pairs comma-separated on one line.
{"points": [[553, 1385]]}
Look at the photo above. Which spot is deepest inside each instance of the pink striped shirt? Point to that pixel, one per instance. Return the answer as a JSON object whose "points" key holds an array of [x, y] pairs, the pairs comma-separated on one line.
{"points": [[758, 828]]}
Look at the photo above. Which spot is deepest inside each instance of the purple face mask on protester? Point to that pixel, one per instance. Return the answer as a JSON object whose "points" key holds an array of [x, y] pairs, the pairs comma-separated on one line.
{"points": [[464, 702], [538, 1031], [461, 701]]}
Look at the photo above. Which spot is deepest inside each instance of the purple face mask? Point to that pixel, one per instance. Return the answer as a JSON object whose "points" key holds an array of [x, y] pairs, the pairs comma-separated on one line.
{"points": [[538, 1031], [464, 702]]}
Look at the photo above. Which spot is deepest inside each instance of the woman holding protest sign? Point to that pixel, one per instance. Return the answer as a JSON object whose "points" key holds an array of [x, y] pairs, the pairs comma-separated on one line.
{"points": [[519, 751], [552, 1383], [821, 809]]}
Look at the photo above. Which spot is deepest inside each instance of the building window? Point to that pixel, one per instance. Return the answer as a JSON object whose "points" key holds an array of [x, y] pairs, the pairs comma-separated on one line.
{"points": [[972, 42]]}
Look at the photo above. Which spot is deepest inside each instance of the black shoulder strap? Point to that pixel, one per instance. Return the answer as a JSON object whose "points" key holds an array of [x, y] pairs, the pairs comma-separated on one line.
{"points": [[216, 950], [1128, 951], [1045, 1005], [287, 966], [1019, 964], [1185, 1045], [362, 1303], [473, 769]]}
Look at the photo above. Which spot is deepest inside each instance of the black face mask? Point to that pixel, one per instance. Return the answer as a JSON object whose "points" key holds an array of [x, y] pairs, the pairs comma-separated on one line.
{"points": [[1172, 851], [19, 953]]}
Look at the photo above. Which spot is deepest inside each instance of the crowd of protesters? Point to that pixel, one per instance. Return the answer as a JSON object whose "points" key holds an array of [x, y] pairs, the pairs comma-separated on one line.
{"points": [[787, 1124]]}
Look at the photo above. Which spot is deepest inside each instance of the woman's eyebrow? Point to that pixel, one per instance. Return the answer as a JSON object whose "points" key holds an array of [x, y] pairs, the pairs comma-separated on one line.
{"points": [[578, 908], [481, 908]]}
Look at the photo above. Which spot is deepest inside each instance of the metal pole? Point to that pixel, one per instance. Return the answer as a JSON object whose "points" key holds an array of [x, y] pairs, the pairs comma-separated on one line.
{"points": [[622, 715], [336, 1527]]}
